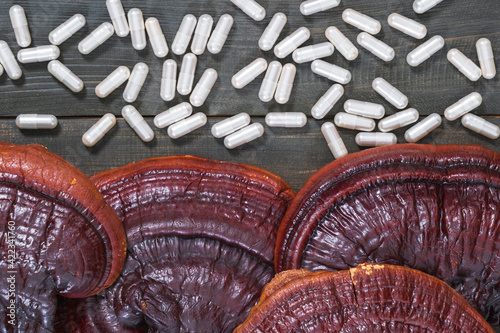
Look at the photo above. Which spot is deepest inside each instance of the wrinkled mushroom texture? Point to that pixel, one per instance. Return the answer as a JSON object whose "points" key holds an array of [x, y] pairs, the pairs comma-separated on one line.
{"points": [[369, 298], [201, 237], [432, 208], [67, 240]]}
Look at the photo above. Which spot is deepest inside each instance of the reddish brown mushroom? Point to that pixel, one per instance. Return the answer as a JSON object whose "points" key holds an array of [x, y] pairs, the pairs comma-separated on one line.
{"points": [[58, 237], [369, 298], [432, 208]]}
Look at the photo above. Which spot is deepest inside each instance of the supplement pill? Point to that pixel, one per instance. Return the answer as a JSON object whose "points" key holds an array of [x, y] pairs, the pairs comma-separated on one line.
{"points": [[421, 6], [353, 122], [331, 71], [375, 46], [173, 115], [272, 32], [290, 43], [249, 73], [390, 93], [186, 74], [99, 130], [20, 25], [310, 7], [9, 62], [36, 121], [425, 51], [137, 122], [97, 37], [65, 75], [117, 15], [364, 109], [270, 81], [251, 8], [244, 135], [285, 84], [286, 119], [203, 87], [137, 29], [397, 120], [168, 80], [183, 35], [420, 130], [464, 105], [481, 126], [135, 82], [187, 125], [464, 64], [407, 26], [342, 43], [230, 125], [327, 101], [313, 52], [333, 139], [156, 37], [67, 29], [201, 34], [375, 139], [112, 81], [38, 54], [220, 33], [486, 58], [361, 21]]}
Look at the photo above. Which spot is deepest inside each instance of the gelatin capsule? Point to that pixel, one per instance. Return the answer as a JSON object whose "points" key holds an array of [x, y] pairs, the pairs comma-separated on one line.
{"points": [[361, 21], [65, 75], [390, 93], [220, 33], [353, 122], [9, 62], [375, 139], [425, 51], [407, 26], [421, 6], [67, 29], [333, 139], [249, 73], [420, 130], [464, 105], [313, 52], [183, 35], [112, 81], [20, 25], [36, 121], [203, 87], [286, 119], [97, 37], [99, 130], [466, 66], [137, 122], [230, 125], [244, 135], [272, 32], [481, 126], [187, 125], [137, 29], [38, 54], [342, 43], [331, 71], [168, 80], [156, 37], [173, 115], [201, 34], [285, 84], [290, 43], [399, 119], [364, 109], [486, 58], [186, 74], [117, 15], [310, 7], [376, 46], [327, 101], [251, 8], [270, 81], [135, 82]]}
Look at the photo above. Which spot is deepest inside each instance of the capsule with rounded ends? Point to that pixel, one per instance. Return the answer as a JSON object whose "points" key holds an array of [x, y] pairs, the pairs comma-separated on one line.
{"points": [[137, 29], [112, 81], [464, 64], [9, 62], [117, 15], [463, 106], [173, 115], [244, 135], [201, 34], [361, 21], [327, 101], [270, 81], [285, 84], [376, 46], [251, 8], [407, 26], [313, 52], [364, 109], [20, 25], [186, 74], [425, 51], [249, 73], [38, 54], [183, 35], [67, 29], [399, 119], [286, 119], [99, 130], [135, 82], [331, 71], [342, 43], [137, 122], [290, 43], [156, 37], [420, 130], [220, 33], [230, 125], [203, 87], [486, 58], [310, 7], [375, 139], [187, 125], [97, 37], [333, 139], [168, 80], [421, 6], [65, 75], [481, 126], [36, 121], [272, 32], [390, 93], [353, 122]]}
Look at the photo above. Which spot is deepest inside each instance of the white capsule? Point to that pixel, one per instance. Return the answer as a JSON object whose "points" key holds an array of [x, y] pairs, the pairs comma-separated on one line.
{"points": [[420, 130], [481, 126], [331, 71], [313, 52], [201, 34], [464, 64], [137, 122], [333, 139], [203, 87], [186, 74], [425, 51], [249, 73], [65, 75], [375, 139], [156, 37], [112, 81], [38, 54], [290, 43], [135, 82], [315, 6], [97, 37], [421, 6], [230, 125], [1, 70], [183, 35], [220, 33], [187, 125], [407, 26], [353, 122], [20, 25], [286, 119], [36, 121], [397, 120], [327, 101], [272, 32], [99, 130], [168, 80], [270, 81], [361, 21], [376, 46], [364, 109], [67, 29], [486, 58], [244, 135], [9, 62], [342, 43], [285, 84], [464, 105], [251, 8], [117, 15], [173, 115], [390, 93], [137, 29]]}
